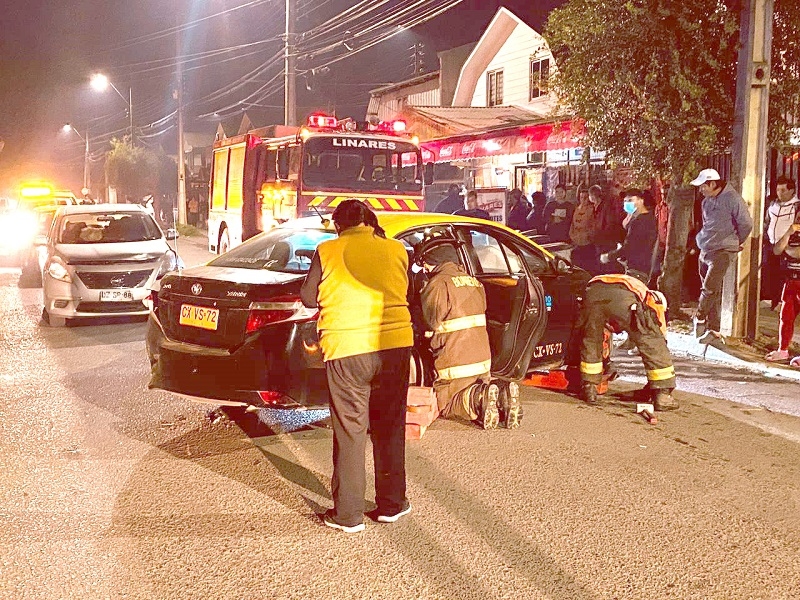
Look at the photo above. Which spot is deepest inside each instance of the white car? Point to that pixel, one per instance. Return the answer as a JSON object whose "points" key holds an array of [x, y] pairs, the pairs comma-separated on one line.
{"points": [[102, 260]]}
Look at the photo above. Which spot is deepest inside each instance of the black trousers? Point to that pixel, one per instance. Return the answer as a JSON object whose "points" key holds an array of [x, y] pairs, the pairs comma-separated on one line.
{"points": [[368, 390]]}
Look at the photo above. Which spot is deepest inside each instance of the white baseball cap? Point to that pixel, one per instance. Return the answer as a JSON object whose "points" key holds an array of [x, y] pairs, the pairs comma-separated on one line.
{"points": [[706, 175]]}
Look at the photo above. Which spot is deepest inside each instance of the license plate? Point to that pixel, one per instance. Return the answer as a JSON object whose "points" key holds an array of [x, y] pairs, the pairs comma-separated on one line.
{"points": [[116, 295], [199, 316]]}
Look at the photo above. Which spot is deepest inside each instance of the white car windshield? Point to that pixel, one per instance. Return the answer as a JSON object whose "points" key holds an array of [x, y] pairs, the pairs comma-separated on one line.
{"points": [[107, 228]]}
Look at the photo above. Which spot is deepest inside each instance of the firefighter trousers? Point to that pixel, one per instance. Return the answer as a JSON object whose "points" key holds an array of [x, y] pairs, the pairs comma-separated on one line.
{"points": [[611, 303], [453, 396]]}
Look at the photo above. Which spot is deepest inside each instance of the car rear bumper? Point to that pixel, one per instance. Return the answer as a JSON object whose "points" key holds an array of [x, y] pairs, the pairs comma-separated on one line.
{"points": [[274, 363]]}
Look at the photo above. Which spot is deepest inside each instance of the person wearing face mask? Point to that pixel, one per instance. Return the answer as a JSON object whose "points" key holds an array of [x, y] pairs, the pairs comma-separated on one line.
{"points": [[639, 250]]}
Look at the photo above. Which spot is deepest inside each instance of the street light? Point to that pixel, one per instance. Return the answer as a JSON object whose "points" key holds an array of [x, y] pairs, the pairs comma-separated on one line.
{"points": [[101, 83], [86, 175]]}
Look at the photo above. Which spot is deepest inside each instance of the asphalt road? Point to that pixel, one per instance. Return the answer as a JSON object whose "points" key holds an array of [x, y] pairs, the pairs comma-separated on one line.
{"points": [[110, 490]]}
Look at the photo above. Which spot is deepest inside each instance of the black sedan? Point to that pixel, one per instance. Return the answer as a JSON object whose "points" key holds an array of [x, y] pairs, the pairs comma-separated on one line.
{"points": [[234, 331]]}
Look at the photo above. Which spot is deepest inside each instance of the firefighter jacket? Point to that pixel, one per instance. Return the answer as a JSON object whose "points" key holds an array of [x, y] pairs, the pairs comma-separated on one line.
{"points": [[454, 308], [360, 282]]}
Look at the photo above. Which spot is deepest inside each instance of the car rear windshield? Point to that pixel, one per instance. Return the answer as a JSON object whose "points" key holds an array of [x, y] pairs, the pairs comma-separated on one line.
{"points": [[107, 228], [283, 250]]}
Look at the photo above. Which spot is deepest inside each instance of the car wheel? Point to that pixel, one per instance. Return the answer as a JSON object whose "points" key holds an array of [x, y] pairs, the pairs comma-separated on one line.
{"points": [[224, 242]]}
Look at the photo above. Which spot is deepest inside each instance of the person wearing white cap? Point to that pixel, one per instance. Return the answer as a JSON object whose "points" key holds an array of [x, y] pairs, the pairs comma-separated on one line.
{"points": [[726, 225]]}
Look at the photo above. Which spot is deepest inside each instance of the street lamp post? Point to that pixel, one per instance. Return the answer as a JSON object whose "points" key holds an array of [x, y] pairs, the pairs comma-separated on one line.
{"points": [[101, 83], [86, 167]]}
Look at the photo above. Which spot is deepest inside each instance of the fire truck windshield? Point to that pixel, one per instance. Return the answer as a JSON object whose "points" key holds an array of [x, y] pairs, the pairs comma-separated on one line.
{"points": [[362, 164]]}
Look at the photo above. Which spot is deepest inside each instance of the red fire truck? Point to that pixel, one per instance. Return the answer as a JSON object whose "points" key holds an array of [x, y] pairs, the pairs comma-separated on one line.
{"points": [[278, 173]]}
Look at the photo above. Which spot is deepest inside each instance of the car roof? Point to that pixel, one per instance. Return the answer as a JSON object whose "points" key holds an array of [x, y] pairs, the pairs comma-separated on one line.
{"points": [[395, 222], [101, 208]]}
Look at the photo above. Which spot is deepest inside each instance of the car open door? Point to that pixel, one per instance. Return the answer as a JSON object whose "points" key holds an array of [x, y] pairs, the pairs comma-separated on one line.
{"points": [[516, 317]]}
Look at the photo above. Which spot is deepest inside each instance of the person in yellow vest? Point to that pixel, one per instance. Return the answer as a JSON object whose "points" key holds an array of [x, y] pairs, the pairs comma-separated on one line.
{"points": [[359, 281], [454, 309], [626, 304]]}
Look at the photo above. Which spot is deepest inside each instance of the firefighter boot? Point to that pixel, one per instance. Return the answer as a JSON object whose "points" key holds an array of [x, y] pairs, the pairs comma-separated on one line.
{"points": [[588, 392], [664, 400], [509, 406], [483, 402]]}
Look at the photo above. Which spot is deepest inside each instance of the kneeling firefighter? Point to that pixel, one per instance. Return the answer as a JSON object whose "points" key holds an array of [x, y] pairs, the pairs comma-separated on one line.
{"points": [[626, 304], [454, 310]]}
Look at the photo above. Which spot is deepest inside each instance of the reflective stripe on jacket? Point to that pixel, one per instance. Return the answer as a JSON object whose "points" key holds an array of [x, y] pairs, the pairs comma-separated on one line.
{"points": [[454, 308]]}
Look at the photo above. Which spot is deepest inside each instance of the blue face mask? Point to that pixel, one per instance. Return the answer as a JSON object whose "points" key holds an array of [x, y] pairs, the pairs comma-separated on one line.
{"points": [[629, 206]]}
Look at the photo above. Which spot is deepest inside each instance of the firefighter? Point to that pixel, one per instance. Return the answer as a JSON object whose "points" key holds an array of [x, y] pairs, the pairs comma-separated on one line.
{"points": [[625, 304], [454, 311]]}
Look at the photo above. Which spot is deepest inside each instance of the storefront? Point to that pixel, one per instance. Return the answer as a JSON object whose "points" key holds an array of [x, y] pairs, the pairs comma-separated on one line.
{"points": [[532, 157]]}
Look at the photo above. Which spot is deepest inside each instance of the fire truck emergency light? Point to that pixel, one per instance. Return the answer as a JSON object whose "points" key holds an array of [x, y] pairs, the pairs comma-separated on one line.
{"points": [[322, 121]]}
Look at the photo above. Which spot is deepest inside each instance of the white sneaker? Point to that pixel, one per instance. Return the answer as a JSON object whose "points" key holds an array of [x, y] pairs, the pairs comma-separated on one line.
{"points": [[795, 362], [777, 356]]}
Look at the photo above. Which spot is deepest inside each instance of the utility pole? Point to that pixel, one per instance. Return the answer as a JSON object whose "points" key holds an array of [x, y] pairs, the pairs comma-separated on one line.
{"points": [[181, 144], [740, 298], [87, 176], [130, 112], [290, 68]]}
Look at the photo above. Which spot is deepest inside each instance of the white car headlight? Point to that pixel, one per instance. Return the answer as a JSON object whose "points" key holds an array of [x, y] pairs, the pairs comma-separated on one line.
{"points": [[57, 269]]}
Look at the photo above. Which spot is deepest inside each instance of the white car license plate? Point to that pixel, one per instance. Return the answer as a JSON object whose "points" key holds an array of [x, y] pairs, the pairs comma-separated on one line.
{"points": [[116, 295], [199, 316]]}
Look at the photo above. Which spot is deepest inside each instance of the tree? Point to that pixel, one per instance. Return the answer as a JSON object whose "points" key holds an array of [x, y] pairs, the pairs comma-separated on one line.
{"points": [[137, 172], [655, 81]]}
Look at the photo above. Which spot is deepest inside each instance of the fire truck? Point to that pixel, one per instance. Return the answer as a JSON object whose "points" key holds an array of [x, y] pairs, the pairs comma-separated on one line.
{"points": [[273, 174]]}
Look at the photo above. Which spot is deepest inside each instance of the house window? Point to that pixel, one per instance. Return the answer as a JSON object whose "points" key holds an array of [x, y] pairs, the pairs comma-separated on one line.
{"points": [[540, 72], [494, 88]]}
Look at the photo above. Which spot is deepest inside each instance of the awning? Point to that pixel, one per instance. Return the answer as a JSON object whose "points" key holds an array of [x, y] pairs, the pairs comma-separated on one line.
{"points": [[557, 135]]}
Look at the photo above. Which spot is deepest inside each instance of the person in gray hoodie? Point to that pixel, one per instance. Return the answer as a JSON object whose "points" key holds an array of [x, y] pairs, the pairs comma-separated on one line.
{"points": [[726, 225]]}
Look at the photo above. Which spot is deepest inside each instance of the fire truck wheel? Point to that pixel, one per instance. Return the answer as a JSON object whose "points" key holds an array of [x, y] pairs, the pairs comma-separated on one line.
{"points": [[224, 242]]}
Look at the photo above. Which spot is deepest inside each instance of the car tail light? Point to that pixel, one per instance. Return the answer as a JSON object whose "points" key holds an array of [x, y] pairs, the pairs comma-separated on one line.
{"points": [[151, 301], [270, 396], [278, 310]]}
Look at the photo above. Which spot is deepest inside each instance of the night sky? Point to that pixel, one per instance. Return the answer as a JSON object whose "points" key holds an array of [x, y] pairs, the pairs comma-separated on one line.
{"points": [[48, 49]]}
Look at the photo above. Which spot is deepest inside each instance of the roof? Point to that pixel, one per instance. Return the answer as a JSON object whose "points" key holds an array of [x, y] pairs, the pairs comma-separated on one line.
{"points": [[494, 37], [405, 83], [464, 119]]}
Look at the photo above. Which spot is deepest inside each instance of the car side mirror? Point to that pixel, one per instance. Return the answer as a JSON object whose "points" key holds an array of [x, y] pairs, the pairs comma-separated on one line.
{"points": [[171, 234], [562, 266]]}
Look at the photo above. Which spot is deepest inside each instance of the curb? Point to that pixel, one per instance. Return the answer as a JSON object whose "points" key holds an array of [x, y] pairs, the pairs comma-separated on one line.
{"points": [[686, 345]]}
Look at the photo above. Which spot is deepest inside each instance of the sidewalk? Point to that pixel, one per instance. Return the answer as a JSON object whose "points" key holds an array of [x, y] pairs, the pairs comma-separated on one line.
{"points": [[682, 342]]}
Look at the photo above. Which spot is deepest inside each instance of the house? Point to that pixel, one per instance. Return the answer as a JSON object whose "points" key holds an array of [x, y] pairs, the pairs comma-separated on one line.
{"points": [[496, 124]]}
